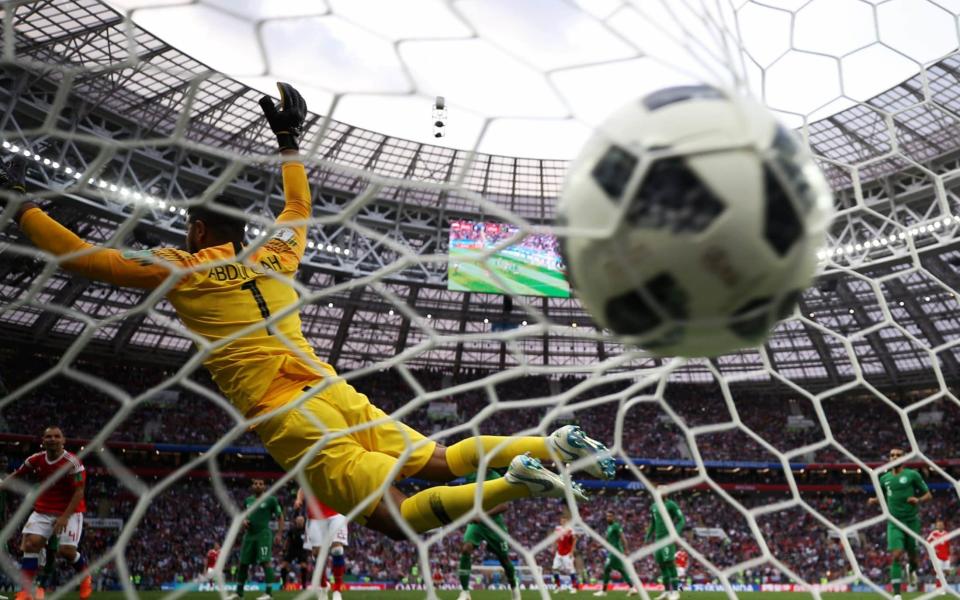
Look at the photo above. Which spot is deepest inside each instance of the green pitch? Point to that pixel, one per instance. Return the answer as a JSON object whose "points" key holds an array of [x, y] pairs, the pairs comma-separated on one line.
{"points": [[521, 278], [489, 595]]}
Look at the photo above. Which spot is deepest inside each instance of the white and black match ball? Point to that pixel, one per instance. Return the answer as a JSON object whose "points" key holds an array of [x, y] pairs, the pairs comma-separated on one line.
{"points": [[691, 222]]}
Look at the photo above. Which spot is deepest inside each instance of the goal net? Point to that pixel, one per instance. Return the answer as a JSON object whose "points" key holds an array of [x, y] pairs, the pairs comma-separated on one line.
{"points": [[772, 453]]}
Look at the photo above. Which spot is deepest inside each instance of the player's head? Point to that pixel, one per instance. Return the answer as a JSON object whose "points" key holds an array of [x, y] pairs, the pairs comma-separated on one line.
{"points": [[896, 453], [258, 486], [565, 514], [53, 439], [611, 518], [940, 525], [207, 226], [299, 521], [216, 545]]}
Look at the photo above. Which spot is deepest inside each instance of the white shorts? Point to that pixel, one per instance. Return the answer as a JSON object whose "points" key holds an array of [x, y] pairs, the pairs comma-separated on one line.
{"points": [[42, 524], [681, 573], [211, 574], [944, 564], [329, 531], [563, 563]]}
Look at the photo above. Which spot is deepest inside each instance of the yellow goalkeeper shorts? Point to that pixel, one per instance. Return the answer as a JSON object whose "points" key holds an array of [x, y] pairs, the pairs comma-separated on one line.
{"points": [[360, 444]]}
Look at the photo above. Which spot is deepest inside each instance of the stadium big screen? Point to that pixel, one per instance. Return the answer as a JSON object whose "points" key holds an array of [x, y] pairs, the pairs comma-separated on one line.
{"points": [[531, 266]]}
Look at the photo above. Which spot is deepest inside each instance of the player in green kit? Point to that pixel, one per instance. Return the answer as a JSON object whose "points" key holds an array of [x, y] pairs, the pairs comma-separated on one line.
{"points": [[257, 546], [478, 532], [903, 489], [613, 563], [665, 557]]}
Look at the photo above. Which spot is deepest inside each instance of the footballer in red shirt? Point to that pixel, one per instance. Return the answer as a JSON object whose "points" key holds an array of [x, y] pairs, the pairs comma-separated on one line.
{"points": [[563, 557], [212, 555], [941, 548], [58, 510], [325, 526]]}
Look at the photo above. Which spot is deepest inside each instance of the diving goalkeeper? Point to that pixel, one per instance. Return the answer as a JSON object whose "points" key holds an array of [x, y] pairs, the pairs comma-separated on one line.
{"points": [[240, 300]]}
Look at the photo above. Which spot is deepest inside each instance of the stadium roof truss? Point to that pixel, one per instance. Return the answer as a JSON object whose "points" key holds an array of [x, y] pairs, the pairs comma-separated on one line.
{"points": [[83, 75]]}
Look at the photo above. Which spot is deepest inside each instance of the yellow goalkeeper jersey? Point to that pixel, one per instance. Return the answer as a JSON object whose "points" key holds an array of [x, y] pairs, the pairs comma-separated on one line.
{"points": [[217, 295]]}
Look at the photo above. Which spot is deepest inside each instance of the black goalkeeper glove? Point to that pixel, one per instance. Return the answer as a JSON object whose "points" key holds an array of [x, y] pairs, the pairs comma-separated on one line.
{"points": [[13, 175], [287, 121]]}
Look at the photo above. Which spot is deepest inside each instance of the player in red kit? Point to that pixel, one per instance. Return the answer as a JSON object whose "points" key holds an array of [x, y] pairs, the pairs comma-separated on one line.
{"points": [[57, 511], [563, 558], [212, 555], [681, 559], [942, 549], [325, 526]]}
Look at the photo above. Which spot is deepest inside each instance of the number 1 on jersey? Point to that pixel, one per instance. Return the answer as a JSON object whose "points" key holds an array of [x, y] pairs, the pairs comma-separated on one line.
{"points": [[261, 301]]}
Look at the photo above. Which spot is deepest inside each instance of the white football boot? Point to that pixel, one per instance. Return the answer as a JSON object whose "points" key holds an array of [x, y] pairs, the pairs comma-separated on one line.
{"points": [[542, 483], [571, 443], [515, 593], [464, 595]]}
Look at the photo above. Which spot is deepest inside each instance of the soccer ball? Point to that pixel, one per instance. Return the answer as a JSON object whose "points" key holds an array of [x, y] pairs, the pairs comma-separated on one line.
{"points": [[692, 222]]}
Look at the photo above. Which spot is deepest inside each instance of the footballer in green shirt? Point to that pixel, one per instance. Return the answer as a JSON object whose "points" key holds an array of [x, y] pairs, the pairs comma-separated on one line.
{"points": [[258, 539], [479, 532], [903, 489], [665, 557], [614, 535]]}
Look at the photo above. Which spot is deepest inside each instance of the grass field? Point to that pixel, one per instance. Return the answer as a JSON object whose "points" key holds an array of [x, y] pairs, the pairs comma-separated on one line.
{"points": [[522, 278], [497, 595]]}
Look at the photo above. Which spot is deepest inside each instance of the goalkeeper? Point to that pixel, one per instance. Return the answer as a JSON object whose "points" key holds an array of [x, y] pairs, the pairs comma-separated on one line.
{"points": [[665, 557], [904, 489], [241, 301]]}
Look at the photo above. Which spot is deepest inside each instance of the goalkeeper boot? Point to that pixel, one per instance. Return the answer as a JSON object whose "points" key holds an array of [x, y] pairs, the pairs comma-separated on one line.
{"points": [[542, 483], [571, 443]]}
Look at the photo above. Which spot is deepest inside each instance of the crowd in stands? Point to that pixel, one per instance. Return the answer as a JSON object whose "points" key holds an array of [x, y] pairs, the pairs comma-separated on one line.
{"points": [[861, 426]]}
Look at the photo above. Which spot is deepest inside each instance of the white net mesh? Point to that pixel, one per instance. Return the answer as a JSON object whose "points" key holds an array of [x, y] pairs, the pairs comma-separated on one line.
{"points": [[768, 451]]}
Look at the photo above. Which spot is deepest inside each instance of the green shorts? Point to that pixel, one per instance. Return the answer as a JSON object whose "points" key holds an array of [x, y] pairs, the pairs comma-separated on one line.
{"points": [[667, 554], [897, 537], [613, 563], [478, 532], [257, 548]]}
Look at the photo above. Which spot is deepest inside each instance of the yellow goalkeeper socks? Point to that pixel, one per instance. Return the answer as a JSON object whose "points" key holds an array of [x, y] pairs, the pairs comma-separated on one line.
{"points": [[464, 456], [440, 505]]}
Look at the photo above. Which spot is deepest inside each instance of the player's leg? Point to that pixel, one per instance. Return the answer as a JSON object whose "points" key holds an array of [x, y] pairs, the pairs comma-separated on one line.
{"points": [[248, 555], [572, 573], [38, 528], [471, 539], [267, 579], [69, 541], [895, 544], [911, 550], [501, 550], [338, 558], [569, 443], [607, 571]]}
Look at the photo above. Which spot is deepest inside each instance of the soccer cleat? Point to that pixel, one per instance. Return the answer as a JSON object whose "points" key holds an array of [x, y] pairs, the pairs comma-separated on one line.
{"points": [[571, 443], [674, 595], [86, 587], [234, 596], [897, 597], [633, 591], [600, 593], [464, 595], [336, 595], [542, 483], [264, 597], [572, 590], [515, 593]]}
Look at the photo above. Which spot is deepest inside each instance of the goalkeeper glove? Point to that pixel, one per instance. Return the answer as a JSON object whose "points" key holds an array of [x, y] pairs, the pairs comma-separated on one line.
{"points": [[287, 121], [13, 175]]}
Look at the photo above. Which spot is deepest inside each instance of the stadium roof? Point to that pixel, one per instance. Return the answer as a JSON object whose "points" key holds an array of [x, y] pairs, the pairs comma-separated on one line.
{"points": [[83, 75], [518, 88]]}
